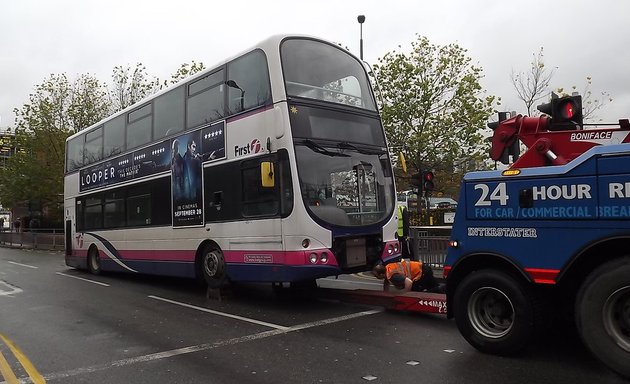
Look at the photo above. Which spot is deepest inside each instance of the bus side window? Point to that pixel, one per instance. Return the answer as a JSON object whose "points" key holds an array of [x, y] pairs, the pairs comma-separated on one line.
{"points": [[257, 199], [93, 212], [248, 83], [139, 210]]}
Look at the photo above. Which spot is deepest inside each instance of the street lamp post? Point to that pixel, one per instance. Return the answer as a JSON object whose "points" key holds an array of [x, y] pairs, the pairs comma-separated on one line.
{"points": [[361, 20]]}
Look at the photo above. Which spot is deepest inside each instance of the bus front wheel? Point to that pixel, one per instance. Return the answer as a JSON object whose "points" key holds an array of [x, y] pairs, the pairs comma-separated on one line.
{"points": [[94, 261], [212, 266]]}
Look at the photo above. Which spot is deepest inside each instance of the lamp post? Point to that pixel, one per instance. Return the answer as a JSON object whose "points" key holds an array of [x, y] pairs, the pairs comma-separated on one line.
{"points": [[361, 20]]}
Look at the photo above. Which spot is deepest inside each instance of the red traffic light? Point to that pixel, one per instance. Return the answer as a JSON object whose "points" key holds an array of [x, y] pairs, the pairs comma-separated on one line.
{"points": [[427, 182], [568, 109], [565, 112]]}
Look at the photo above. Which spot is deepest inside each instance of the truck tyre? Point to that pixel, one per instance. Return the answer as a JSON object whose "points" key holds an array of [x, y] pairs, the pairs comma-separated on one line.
{"points": [[496, 313], [603, 314], [212, 267], [94, 261]]}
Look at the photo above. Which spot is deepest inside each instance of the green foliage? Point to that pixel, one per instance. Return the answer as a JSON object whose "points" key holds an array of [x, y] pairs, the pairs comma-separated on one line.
{"points": [[57, 109], [131, 85], [433, 108], [185, 70]]}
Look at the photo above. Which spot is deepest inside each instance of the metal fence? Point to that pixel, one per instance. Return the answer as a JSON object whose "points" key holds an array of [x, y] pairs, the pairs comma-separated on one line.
{"points": [[430, 245], [52, 239]]}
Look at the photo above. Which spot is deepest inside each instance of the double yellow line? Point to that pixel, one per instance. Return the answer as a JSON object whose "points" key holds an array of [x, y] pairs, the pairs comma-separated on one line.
{"points": [[5, 368]]}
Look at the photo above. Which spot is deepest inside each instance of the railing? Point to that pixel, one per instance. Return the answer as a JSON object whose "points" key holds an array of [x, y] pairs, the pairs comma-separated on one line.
{"points": [[41, 238], [430, 244]]}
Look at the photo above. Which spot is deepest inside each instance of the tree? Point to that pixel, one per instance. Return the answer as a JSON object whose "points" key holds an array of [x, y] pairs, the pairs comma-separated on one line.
{"points": [[185, 70], [131, 85], [533, 85], [433, 108], [58, 108]]}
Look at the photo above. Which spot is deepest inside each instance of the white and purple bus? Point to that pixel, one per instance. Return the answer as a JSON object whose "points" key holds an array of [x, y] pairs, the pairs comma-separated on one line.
{"points": [[270, 167]]}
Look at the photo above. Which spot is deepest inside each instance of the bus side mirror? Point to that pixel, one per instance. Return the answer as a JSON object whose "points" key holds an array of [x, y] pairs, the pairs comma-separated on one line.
{"points": [[266, 174]]}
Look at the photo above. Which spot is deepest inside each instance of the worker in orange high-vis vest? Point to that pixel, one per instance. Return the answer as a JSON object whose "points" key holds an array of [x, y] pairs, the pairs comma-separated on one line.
{"points": [[407, 276]]}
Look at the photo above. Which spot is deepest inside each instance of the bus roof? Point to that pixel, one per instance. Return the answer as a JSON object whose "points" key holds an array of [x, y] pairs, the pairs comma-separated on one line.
{"points": [[266, 45]]}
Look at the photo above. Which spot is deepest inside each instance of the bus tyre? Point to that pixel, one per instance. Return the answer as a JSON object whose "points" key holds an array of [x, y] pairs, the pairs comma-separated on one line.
{"points": [[603, 314], [496, 313], [94, 261], [212, 265]]}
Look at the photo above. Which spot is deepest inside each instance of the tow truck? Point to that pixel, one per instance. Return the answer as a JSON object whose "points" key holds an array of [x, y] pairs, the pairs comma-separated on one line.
{"points": [[548, 235]]}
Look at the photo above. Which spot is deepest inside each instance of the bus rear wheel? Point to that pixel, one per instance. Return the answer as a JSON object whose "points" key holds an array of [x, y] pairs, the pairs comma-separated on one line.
{"points": [[603, 314], [212, 266], [94, 261]]}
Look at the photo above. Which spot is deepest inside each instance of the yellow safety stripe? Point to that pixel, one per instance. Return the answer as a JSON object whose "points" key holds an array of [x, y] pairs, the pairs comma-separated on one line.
{"points": [[6, 371], [35, 376]]}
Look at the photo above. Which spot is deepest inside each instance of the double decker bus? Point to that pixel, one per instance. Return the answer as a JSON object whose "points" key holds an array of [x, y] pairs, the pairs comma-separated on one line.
{"points": [[269, 167]]}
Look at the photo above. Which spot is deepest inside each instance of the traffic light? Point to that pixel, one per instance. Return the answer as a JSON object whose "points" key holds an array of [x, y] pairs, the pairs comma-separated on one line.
{"points": [[565, 112], [427, 183]]}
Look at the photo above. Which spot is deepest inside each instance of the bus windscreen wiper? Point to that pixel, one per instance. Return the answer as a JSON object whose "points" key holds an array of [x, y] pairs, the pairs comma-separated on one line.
{"points": [[321, 149], [365, 151]]}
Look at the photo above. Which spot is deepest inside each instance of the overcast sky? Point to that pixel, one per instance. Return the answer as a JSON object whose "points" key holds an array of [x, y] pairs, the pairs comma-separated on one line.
{"points": [[581, 38]]}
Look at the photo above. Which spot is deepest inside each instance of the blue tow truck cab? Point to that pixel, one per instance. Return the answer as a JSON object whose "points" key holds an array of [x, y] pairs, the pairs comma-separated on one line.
{"points": [[529, 244]]}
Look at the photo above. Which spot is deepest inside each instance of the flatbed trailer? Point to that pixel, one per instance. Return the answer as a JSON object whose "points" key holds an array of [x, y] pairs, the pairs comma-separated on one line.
{"points": [[409, 301]]}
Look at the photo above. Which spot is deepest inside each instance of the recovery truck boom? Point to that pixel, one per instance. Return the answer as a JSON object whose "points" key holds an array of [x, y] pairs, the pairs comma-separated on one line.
{"points": [[548, 147]]}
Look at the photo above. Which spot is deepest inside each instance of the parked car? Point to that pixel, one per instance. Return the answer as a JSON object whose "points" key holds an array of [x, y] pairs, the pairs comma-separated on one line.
{"points": [[442, 202], [410, 200]]}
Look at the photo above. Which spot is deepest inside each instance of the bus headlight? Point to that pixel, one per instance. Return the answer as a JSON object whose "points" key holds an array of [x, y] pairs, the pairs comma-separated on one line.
{"points": [[390, 249], [313, 258], [396, 247], [306, 243], [323, 258]]}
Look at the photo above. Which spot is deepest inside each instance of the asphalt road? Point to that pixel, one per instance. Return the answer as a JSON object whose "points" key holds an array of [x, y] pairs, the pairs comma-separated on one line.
{"points": [[60, 325]]}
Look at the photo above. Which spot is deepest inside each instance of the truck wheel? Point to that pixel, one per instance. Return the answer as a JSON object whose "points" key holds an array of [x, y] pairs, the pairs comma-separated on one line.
{"points": [[495, 313], [212, 267], [603, 314]]}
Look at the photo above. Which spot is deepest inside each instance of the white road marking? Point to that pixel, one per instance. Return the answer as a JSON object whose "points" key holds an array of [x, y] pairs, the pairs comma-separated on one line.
{"points": [[202, 347], [80, 278], [11, 289], [22, 265], [253, 321]]}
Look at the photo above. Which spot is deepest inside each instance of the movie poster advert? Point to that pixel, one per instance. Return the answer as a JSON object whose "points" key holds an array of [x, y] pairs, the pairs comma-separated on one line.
{"points": [[153, 159], [143, 162], [213, 142], [186, 183]]}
